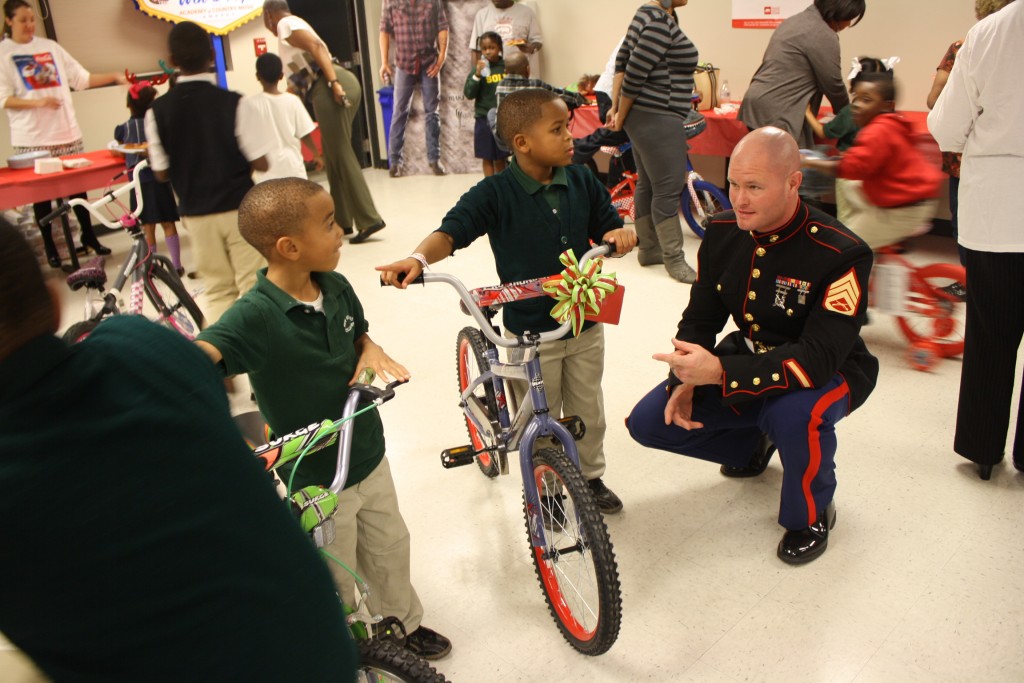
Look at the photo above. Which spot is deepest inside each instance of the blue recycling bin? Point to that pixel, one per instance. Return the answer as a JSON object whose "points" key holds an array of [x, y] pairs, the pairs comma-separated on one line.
{"points": [[386, 96]]}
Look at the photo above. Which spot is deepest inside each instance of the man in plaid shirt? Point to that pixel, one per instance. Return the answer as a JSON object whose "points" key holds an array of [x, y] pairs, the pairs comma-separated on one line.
{"points": [[420, 32]]}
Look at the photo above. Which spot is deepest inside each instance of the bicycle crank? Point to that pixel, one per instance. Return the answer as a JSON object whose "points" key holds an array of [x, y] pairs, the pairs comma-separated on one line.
{"points": [[462, 455]]}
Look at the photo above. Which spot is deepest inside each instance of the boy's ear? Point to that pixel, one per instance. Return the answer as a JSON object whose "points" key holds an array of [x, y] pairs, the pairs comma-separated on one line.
{"points": [[287, 248], [520, 143]]}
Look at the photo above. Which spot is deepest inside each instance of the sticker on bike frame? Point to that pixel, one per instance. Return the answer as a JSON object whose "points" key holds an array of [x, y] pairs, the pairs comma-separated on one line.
{"points": [[290, 446]]}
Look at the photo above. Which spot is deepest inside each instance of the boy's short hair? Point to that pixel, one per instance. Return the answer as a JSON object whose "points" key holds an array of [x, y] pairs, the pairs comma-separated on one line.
{"points": [[276, 6], [26, 309], [190, 47], [274, 209], [885, 82], [520, 109], [269, 67]]}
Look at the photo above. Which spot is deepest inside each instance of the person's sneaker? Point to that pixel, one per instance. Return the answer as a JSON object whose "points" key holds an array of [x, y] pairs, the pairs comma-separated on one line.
{"points": [[553, 511], [607, 501], [395, 170], [427, 643], [438, 168]]}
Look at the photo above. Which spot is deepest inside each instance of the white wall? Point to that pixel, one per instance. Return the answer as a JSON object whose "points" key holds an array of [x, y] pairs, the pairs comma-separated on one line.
{"points": [[579, 35]]}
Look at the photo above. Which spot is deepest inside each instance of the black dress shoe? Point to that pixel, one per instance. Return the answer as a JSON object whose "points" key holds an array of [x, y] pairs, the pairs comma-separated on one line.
{"points": [[364, 234], [758, 461], [94, 246], [54, 261], [607, 502], [804, 545], [985, 471]]}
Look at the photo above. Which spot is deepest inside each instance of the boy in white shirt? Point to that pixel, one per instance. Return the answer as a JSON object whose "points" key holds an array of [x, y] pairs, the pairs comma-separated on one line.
{"points": [[286, 121]]}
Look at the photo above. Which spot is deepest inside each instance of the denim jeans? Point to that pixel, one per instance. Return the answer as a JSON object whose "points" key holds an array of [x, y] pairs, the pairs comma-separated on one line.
{"points": [[405, 85]]}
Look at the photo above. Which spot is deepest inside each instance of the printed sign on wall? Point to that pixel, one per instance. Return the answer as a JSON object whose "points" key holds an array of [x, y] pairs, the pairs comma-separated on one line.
{"points": [[764, 13], [219, 17]]}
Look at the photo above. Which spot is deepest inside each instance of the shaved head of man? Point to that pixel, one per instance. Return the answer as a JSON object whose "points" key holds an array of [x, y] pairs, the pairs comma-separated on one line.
{"points": [[764, 179]]}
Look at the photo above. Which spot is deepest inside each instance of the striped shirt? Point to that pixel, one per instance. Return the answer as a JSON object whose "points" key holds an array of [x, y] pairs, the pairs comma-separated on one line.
{"points": [[513, 82], [658, 61]]}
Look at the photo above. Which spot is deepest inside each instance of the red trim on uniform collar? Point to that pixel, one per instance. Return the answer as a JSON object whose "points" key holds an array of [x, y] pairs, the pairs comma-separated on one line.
{"points": [[788, 229]]}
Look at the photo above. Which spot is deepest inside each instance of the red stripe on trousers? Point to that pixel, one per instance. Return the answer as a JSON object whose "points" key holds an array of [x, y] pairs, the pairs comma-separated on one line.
{"points": [[814, 446]]}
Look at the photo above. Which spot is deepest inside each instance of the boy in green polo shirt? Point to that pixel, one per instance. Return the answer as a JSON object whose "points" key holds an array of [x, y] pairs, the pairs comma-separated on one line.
{"points": [[299, 334], [531, 212]]}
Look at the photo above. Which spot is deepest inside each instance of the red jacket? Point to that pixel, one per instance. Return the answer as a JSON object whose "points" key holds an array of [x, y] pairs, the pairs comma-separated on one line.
{"points": [[893, 170]]}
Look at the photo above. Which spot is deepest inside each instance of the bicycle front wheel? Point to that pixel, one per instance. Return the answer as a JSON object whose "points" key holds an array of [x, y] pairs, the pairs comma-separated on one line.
{"points": [[383, 660], [472, 363], [576, 565], [936, 315], [174, 305], [699, 206]]}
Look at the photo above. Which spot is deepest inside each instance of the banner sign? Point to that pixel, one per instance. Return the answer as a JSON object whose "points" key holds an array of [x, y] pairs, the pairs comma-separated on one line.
{"points": [[764, 13], [219, 17]]}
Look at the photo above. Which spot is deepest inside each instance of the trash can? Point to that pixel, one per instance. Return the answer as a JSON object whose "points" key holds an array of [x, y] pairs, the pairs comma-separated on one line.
{"points": [[386, 96]]}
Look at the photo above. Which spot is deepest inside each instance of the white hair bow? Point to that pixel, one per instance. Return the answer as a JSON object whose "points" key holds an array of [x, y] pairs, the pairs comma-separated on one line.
{"points": [[891, 62], [855, 69]]}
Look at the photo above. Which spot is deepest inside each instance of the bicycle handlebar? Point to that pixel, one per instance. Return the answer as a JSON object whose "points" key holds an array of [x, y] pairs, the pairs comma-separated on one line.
{"points": [[485, 325], [107, 198]]}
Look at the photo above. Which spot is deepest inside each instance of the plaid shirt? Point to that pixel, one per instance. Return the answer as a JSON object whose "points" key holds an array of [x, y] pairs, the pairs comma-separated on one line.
{"points": [[513, 82], [414, 24]]}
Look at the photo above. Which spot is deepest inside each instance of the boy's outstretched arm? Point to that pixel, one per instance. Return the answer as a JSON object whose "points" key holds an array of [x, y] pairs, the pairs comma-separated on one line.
{"points": [[624, 240], [436, 246], [371, 355]]}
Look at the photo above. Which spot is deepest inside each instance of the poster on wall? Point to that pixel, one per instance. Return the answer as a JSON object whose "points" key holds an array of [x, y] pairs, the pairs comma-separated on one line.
{"points": [[219, 17], [764, 13]]}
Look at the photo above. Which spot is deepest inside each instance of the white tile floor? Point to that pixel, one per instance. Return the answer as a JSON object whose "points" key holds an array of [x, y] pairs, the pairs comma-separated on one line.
{"points": [[921, 581]]}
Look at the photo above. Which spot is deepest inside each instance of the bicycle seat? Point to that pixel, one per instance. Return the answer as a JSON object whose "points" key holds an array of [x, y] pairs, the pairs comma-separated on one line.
{"points": [[91, 275], [694, 124]]}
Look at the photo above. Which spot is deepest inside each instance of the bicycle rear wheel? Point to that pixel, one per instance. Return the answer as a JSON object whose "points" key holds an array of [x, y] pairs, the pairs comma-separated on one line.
{"points": [[79, 331], [469, 354], [383, 660], [698, 207], [936, 314], [576, 566], [174, 305]]}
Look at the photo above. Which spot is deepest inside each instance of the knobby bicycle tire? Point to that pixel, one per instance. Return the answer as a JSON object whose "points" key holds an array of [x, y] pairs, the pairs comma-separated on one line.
{"points": [[79, 331], [712, 201], [176, 307], [469, 350], [387, 661], [576, 569]]}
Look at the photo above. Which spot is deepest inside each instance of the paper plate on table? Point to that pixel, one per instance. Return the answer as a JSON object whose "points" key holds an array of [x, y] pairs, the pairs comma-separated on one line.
{"points": [[26, 159]]}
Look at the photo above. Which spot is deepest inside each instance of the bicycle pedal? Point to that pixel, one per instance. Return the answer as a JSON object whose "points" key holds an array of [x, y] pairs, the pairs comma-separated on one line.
{"points": [[574, 423], [457, 457]]}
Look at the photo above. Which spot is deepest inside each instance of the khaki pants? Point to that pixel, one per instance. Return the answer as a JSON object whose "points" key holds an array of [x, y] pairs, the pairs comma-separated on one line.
{"points": [[572, 370], [878, 226], [372, 539], [227, 263]]}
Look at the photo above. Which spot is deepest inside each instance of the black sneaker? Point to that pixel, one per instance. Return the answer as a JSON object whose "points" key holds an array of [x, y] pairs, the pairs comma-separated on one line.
{"points": [[607, 501], [553, 511], [427, 643], [956, 290]]}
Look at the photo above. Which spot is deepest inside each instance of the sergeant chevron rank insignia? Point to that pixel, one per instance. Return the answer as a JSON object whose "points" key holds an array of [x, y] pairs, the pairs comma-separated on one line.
{"points": [[843, 295]]}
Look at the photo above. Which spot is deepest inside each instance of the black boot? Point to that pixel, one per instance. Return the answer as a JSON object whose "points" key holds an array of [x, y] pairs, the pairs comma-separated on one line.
{"points": [[52, 256], [89, 240]]}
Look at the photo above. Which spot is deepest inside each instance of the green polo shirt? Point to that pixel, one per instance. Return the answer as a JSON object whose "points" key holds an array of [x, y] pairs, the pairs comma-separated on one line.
{"points": [[299, 363], [529, 224], [142, 541]]}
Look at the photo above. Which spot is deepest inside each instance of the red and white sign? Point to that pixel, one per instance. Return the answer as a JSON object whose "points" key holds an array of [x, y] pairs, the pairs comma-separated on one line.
{"points": [[764, 13], [260, 45], [219, 17]]}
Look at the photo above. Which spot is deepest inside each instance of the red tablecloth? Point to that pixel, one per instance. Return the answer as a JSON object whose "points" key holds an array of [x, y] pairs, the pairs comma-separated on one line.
{"points": [[25, 186], [585, 120]]}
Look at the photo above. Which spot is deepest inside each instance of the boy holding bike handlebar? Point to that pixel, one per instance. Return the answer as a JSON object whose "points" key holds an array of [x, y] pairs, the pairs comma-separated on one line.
{"points": [[301, 336], [537, 208]]}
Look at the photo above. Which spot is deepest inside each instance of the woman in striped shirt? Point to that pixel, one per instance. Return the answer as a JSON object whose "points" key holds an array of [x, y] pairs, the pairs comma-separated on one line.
{"points": [[650, 100]]}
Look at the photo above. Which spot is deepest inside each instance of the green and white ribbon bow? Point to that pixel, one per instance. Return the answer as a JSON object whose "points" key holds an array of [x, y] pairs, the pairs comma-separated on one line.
{"points": [[580, 290]]}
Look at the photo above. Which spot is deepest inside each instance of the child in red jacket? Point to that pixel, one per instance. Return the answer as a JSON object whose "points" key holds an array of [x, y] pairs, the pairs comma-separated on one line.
{"points": [[900, 189]]}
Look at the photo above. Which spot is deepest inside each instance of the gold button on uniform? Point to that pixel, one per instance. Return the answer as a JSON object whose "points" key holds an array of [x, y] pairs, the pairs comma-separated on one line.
{"points": [[757, 381], [735, 385], [760, 251], [752, 295], [718, 287], [773, 238], [775, 377], [814, 229], [756, 273], [748, 317], [755, 327]]}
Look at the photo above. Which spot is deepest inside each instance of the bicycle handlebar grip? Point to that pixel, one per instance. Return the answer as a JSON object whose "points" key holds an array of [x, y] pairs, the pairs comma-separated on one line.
{"points": [[417, 281], [62, 208]]}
